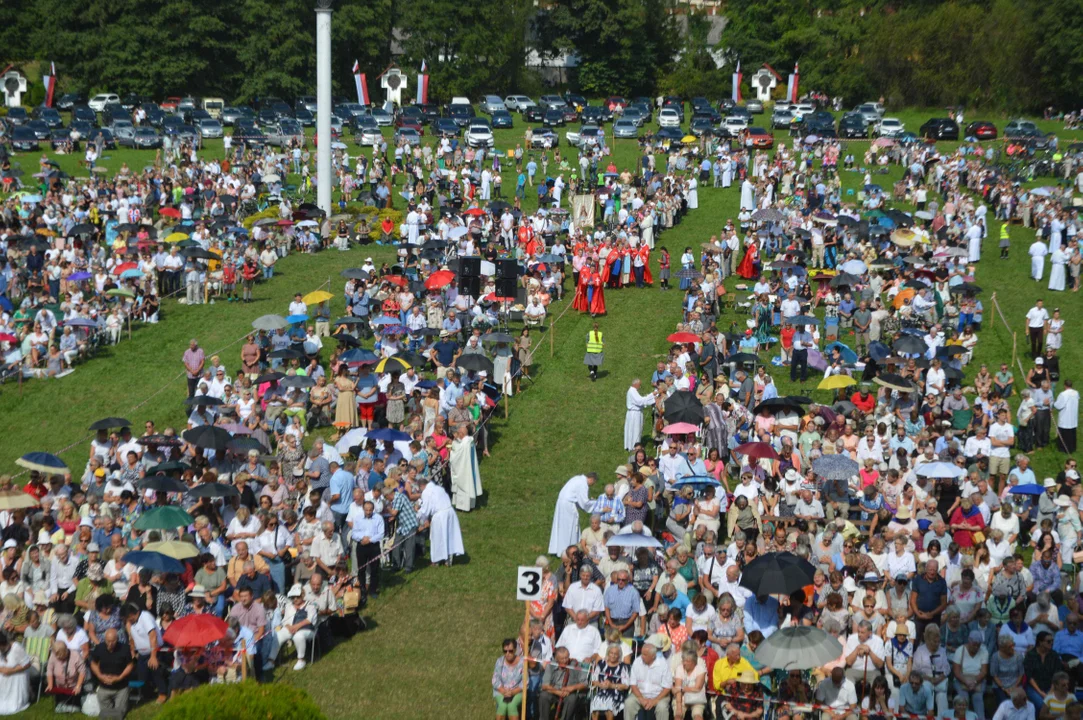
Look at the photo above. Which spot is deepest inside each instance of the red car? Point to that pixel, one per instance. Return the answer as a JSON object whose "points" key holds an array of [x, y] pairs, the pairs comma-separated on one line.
{"points": [[757, 137], [615, 102], [405, 121], [982, 130], [170, 104]]}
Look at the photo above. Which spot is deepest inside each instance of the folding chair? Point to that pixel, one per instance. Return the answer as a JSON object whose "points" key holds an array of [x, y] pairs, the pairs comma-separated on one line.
{"points": [[39, 649]]}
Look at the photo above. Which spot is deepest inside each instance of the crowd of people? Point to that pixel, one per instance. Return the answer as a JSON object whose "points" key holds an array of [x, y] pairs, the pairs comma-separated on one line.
{"points": [[944, 567]]}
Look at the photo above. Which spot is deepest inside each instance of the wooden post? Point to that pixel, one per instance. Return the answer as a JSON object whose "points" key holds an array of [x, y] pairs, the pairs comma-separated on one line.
{"points": [[507, 391], [552, 333], [129, 326], [526, 656]]}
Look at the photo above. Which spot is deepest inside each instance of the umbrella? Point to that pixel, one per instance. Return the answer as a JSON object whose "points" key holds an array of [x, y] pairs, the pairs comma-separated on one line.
{"points": [[163, 483], [904, 237], [349, 321], [894, 382], [316, 297], [966, 288], [354, 274], [854, 267], [155, 561], [777, 404], [845, 278], [349, 340], [12, 499], [207, 436], [768, 215], [497, 337], [272, 178], [836, 382], [1028, 489], [214, 490], [168, 467], [633, 540], [120, 292], [940, 470], [923, 215], [270, 323], [359, 356], [683, 337], [950, 350], [878, 351], [800, 320], [286, 354], [392, 364], [269, 377], [235, 429], [170, 213], [439, 279], [847, 354], [82, 229], [741, 358], [698, 482], [910, 345], [242, 445], [296, 319], [298, 381], [388, 435], [475, 212], [160, 441], [166, 517], [843, 407], [397, 280], [475, 363], [79, 276], [203, 400], [681, 428], [835, 467], [42, 462], [689, 274], [777, 574], [110, 422], [801, 647], [196, 631], [756, 450], [175, 237], [683, 406]]}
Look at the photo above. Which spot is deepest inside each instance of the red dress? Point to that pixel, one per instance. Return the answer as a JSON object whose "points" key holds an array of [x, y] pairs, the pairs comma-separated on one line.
{"points": [[579, 302], [645, 254], [747, 267], [597, 303]]}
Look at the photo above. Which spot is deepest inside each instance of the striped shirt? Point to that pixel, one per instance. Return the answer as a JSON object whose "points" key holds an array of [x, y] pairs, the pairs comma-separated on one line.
{"points": [[407, 516]]}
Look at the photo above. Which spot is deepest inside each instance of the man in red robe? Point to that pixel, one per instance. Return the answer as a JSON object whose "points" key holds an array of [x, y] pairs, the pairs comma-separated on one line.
{"points": [[579, 302], [597, 300]]}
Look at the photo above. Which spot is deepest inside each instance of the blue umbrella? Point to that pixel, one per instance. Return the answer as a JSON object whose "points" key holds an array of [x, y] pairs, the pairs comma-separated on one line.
{"points": [[155, 561], [699, 482], [388, 435], [294, 319], [395, 330], [385, 320], [878, 351], [81, 322], [633, 540], [848, 355], [30, 198], [132, 274], [1028, 489], [942, 470], [79, 276], [359, 356], [425, 384], [42, 462], [803, 320], [835, 467]]}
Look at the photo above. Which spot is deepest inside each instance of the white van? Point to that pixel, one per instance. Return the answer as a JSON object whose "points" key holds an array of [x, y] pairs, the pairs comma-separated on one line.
{"points": [[214, 106], [98, 102]]}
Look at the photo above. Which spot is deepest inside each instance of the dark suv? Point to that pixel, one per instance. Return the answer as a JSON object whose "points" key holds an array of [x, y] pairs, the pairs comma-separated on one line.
{"points": [[939, 129]]}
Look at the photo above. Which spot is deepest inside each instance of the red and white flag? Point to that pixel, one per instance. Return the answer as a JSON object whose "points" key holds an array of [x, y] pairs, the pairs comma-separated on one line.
{"points": [[737, 83], [362, 85], [422, 85], [50, 84]]}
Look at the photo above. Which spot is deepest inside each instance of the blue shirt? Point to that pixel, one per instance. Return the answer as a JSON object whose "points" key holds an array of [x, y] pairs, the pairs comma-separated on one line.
{"points": [[363, 383], [371, 527], [342, 484], [919, 703], [929, 593], [1068, 643], [1023, 477], [622, 603], [681, 602], [761, 616]]}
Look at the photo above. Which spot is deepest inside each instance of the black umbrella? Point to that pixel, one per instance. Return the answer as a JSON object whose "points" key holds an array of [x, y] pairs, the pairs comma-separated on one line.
{"points": [[163, 483], [843, 407], [127, 227], [241, 445], [199, 254], [845, 278], [689, 274], [269, 377], [160, 441], [82, 229], [214, 490], [412, 359], [777, 404], [894, 382], [777, 574], [426, 332], [347, 340], [799, 320], [950, 351], [204, 400], [966, 288], [475, 363], [683, 406], [910, 345], [497, 337], [173, 466], [351, 321], [210, 437], [951, 373], [498, 206], [354, 274], [846, 221], [298, 381], [110, 422], [741, 358], [434, 245], [286, 354]]}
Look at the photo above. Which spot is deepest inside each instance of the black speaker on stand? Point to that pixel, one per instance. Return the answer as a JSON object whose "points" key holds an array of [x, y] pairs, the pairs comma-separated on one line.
{"points": [[470, 276]]}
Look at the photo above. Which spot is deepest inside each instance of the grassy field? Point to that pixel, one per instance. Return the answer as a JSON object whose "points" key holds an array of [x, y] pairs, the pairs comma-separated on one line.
{"points": [[435, 635]]}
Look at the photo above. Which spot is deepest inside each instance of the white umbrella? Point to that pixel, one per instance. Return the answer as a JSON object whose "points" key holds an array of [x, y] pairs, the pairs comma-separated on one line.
{"points": [[457, 232], [338, 146], [272, 178], [1040, 192], [854, 267], [634, 540], [923, 215], [307, 223], [354, 437], [940, 470], [798, 648]]}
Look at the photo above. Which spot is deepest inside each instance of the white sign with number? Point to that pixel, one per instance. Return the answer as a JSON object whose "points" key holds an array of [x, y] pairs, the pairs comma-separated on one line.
{"points": [[528, 585]]}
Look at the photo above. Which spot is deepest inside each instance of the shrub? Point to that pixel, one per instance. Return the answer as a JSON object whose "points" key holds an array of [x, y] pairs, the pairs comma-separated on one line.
{"points": [[271, 212], [397, 218], [242, 700]]}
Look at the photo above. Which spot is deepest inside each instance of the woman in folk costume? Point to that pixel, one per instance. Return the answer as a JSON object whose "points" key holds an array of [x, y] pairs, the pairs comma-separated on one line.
{"points": [[748, 267]]}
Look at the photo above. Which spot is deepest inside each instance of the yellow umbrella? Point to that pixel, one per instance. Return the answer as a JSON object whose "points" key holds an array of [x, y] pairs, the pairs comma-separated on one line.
{"points": [[175, 237], [689, 139], [316, 297], [46, 232], [904, 237], [392, 364], [836, 382], [174, 549]]}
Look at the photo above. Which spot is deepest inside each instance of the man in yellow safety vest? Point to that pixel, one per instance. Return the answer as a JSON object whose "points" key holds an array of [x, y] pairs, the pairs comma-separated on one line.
{"points": [[595, 351]]}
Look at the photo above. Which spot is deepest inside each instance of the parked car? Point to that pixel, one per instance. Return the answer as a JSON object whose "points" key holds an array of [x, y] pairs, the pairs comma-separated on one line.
{"points": [[518, 103], [146, 138], [701, 126], [23, 138], [409, 121], [940, 129], [230, 115], [625, 128], [615, 102], [479, 135], [673, 134], [383, 117], [108, 140], [266, 118], [1020, 128], [170, 103], [349, 110], [446, 127], [754, 106], [593, 114], [99, 101], [408, 135], [49, 116], [304, 116], [502, 119], [757, 137], [890, 127], [587, 136], [490, 104], [122, 129], [62, 137], [187, 104], [636, 115], [430, 112], [534, 113], [853, 126], [39, 128], [250, 135], [366, 131], [308, 102], [871, 112], [551, 101], [706, 111], [554, 117], [462, 114], [669, 117], [781, 118], [69, 100], [544, 137], [571, 114], [982, 130], [210, 128], [734, 124], [18, 116]]}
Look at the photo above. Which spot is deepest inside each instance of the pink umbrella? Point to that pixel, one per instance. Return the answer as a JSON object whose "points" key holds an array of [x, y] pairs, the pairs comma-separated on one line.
{"points": [[681, 428], [237, 429]]}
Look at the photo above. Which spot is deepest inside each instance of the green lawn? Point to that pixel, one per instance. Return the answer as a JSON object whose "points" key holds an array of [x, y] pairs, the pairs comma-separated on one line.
{"points": [[435, 635]]}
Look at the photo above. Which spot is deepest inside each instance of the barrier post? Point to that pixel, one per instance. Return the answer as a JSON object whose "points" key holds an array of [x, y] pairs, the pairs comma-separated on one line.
{"points": [[526, 656], [552, 335]]}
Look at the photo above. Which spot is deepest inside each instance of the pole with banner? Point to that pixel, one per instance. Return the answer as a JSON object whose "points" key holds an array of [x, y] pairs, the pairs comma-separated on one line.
{"points": [[528, 588]]}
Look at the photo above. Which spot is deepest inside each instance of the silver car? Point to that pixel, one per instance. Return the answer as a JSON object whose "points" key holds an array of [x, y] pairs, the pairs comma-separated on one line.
{"points": [[209, 128], [124, 132], [284, 133], [625, 128]]}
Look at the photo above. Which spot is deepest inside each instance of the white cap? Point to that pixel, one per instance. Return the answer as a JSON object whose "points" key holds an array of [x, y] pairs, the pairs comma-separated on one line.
{"points": [[295, 591], [10, 543]]}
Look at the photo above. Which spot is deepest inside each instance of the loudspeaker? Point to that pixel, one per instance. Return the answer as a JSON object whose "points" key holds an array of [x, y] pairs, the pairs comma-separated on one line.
{"points": [[507, 269], [470, 266], [470, 285], [506, 287]]}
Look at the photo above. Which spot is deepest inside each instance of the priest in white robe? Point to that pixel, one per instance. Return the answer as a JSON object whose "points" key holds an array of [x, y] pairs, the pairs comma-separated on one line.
{"points": [[973, 242], [574, 496], [692, 195], [1037, 252], [1057, 263], [748, 195], [465, 478], [436, 514], [634, 403], [727, 172]]}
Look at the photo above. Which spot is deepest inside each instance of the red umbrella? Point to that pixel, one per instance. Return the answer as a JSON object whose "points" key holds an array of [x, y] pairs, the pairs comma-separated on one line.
{"points": [[756, 450], [284, 223], [169, 212], [475, 212], [6, 337], [493, 297], [125, 266], [195, 631], [683, 337], [439, 279], [397, 280]]}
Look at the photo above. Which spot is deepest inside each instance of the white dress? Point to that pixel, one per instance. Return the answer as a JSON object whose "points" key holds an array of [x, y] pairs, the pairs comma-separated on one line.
{"points": [[14, 689], [1053, 335], [465, 478], [574, 496], [445, 537], [1057, 261]]}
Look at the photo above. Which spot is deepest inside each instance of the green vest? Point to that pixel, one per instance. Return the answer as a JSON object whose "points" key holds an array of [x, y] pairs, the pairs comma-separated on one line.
{"points": [[594, 342]]}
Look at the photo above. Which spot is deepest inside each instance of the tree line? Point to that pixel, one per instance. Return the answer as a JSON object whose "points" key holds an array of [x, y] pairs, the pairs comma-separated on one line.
{"points": [[1006, 54]]}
